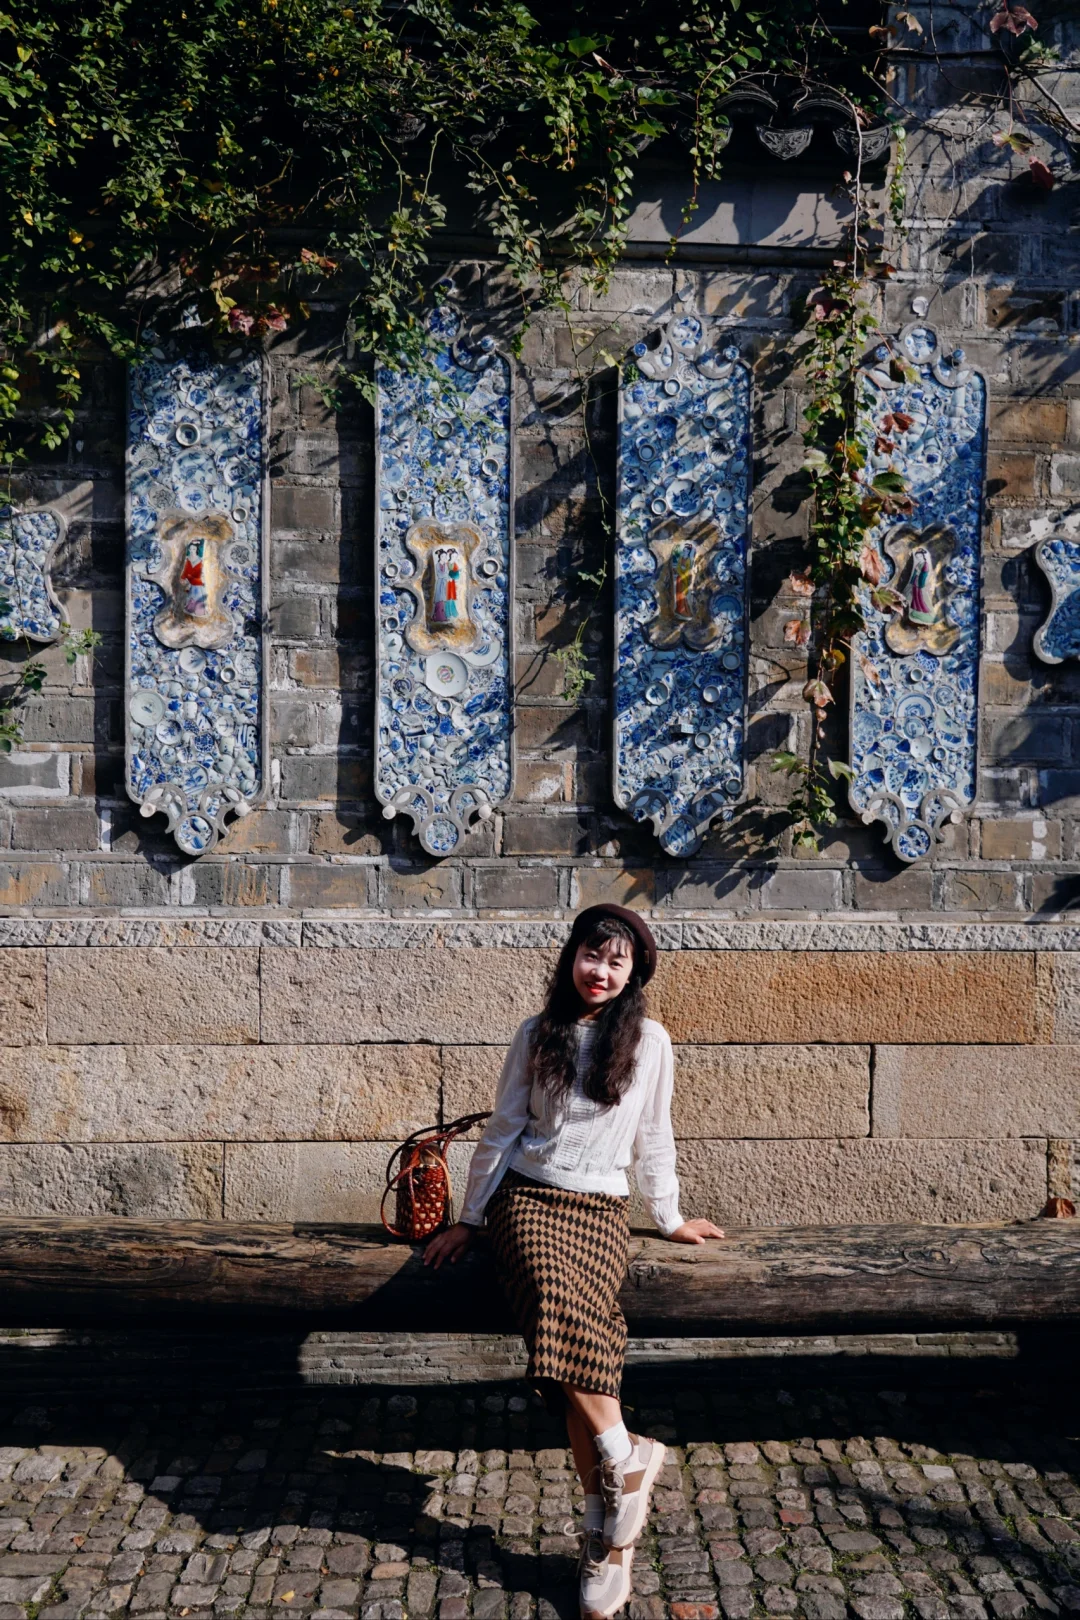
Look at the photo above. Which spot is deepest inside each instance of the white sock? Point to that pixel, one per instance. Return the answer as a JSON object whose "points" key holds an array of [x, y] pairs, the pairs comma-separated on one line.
{"points": [[594, 1512], [614, 1444]]}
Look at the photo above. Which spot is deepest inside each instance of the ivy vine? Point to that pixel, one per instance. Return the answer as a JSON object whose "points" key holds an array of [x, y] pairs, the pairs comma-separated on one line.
{"points": [[241, 154]]}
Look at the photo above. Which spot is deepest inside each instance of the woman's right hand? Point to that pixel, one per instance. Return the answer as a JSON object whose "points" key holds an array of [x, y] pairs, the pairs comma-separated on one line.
{"points": [[449, 1245]]}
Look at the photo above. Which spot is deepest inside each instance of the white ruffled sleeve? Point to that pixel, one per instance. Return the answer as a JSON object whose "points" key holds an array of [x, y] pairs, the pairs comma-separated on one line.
{"points": [[503, 1130], [654, 1144]]}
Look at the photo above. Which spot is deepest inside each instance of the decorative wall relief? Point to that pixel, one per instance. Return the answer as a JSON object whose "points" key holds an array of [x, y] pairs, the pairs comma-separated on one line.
{"points": [[28, 607], [1058, 555], [682, 503], [196, 737], [445, 586], [914, 679]]}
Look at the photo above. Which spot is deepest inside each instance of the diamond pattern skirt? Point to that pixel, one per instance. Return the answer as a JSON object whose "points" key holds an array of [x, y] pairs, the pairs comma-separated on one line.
{"points": [[561, 1259]]}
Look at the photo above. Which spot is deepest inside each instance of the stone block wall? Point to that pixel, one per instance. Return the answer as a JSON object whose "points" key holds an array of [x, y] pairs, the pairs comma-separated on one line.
{"points": [[266, 1073], [247, 1032]]}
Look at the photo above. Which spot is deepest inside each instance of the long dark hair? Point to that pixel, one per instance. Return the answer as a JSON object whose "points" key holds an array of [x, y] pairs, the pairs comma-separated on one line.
{"points": [[553, 1048]]}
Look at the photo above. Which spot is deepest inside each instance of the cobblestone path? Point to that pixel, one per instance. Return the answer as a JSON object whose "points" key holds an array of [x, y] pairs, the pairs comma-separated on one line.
{"points": [[432, 1502]]}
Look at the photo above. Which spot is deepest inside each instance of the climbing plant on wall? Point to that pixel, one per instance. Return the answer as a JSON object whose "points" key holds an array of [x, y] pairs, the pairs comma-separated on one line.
{"points": [[235, 153]]}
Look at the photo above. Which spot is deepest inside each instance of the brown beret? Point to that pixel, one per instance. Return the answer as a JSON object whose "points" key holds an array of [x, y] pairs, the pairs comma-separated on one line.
{"points": [[586, 920]]}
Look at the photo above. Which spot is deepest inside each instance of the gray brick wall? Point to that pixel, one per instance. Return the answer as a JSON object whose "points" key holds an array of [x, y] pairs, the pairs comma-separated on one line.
{"points": [[997, 261]]}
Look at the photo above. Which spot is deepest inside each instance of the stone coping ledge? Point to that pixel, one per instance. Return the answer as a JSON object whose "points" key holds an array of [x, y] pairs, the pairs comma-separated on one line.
{"points": [[340, 933]]}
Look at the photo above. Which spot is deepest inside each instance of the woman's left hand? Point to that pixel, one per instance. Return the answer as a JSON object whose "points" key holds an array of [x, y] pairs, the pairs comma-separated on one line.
{"points": [[695, 1232]]}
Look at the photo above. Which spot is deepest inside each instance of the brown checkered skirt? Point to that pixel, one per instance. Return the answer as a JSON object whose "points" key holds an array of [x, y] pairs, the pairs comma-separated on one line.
{"points": [[561, 1258]]}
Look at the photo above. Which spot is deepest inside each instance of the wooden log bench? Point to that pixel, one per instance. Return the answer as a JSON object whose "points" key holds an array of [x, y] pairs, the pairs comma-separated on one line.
{"points": [[56, 1272]]}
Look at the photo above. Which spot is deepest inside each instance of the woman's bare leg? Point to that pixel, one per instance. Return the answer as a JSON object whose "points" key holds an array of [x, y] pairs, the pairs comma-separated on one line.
{"points": [[588, 1415], [597, 1412], [586, 1456]]}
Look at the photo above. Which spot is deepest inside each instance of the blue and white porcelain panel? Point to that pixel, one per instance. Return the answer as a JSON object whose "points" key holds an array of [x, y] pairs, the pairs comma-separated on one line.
{"points": [[683, 515], [28, 609], [915, 673], [196, 569], [445, 591], [1058, 555]]}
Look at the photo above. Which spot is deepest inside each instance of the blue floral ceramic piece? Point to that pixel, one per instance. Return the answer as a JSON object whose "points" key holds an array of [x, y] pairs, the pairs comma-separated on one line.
{"points": [[196, 569], [28, 608], [915, 670], [1058, 556], [683, 506], [444, 588]]}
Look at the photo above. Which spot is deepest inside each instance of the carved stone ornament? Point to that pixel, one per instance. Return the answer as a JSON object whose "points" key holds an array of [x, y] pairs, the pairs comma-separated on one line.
{"points": [[784, 113], [1058, 555], [682, 505], [445, 585], [196, 578], [915, 669], [29, 610]]}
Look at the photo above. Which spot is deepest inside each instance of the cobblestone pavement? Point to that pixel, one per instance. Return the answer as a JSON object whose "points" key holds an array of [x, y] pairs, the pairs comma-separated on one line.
{"points": [[807, 1500]]}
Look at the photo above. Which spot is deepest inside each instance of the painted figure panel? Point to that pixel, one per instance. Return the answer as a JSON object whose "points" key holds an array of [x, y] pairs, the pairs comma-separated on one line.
{"points": [[914, 681], [443, 718], [196, 535], [681, 572]]}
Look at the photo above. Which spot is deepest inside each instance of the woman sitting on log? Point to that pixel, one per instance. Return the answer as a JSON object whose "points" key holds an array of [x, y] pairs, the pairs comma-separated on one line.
{"points": [[584, 1093]]}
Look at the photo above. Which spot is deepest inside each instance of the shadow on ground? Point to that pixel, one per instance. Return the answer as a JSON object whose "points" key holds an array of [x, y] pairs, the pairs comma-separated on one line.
{"points": [[149, 1471]]}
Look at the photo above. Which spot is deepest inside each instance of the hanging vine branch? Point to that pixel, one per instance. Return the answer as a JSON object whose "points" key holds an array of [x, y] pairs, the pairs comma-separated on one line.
{"points": [[237, 154]]}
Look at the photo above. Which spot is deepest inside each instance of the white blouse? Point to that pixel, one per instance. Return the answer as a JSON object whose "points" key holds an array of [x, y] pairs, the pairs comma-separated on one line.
{"points": [[572, 1142]]}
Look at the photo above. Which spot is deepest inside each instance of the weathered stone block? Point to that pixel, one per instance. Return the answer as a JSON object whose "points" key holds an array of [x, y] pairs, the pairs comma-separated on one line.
{"points": [[1065, 475], [171, 994], [159, 1181], [706, 888], [540, 782], [429, 888], [469, 1077], [1039, 738], [295, 722], [314, 1181], [199, 1093], [34, 883], [400, 995], [823, 1183], [516, 888], [296, 618], [322, 887], [1010, 475], [1053, 892], [234, 883], [29, 775], [709, 996], [885, 888], [622, 886], [339, 833], [264, 832], [58, 719], [982, 890], [525, 834], [127, 884], [324, 778], [1031, 839], [801, 889], [1038, 421], [976, 1091], [1066, 993], [301, 507], [72, 827], [771, 1091], [23, 996]]}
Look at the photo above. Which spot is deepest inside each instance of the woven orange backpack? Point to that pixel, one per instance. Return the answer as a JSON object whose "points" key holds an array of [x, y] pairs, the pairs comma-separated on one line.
{"points": [[419, 1177]]}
